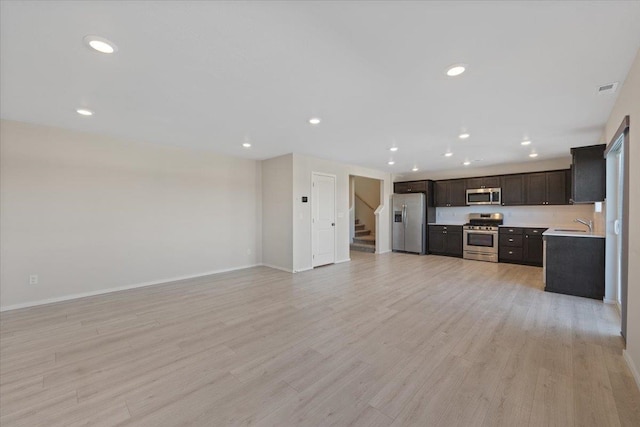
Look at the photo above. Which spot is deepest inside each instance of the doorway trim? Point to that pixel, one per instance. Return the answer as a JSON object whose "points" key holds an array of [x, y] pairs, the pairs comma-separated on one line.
{"points": [[623, 130], [335, 216]]}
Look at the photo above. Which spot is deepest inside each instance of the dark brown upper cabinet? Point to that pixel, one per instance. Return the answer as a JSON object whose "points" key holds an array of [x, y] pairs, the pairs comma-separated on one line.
{"points": [[546, 188], [513, 190], [588, 174], [483, 182], [410, 187], [536, 188], [451, 192], [557, 188]]}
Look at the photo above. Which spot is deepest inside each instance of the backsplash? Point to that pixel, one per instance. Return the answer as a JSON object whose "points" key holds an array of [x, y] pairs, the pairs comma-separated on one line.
{"points": [[551, 216]]}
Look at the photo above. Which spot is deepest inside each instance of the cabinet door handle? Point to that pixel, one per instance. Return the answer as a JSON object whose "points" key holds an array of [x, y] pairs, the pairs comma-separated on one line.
{"points": [[511, 230], [511, 240], [510, 252], [526, 236]]}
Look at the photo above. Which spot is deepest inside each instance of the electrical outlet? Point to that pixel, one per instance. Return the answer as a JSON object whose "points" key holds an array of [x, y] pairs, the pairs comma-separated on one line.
{"points": [[33, 279]]}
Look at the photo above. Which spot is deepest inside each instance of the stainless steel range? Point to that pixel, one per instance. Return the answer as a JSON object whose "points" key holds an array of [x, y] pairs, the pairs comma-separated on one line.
{"points": [[481, 236]]}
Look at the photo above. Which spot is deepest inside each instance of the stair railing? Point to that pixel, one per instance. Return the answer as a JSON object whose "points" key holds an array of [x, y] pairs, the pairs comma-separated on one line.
{"points": [[365, 202]]}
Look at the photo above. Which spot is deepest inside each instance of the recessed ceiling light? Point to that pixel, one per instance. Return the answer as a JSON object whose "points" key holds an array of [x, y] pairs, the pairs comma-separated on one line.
{"points": [[393, 149], [533, 155], [100, 44], [415, 169], [391, 162], [456, 70], [84, 112], [466, 163], [246, 145], [448, 154], [314, 121], [464, 135], [525, 142]]}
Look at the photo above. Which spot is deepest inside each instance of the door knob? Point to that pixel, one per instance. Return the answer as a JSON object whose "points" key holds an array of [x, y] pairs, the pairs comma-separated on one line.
{"points": [[333, 224]]}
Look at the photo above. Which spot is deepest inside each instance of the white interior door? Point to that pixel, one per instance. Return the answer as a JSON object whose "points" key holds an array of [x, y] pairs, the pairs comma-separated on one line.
{"points": [[323, 205]]}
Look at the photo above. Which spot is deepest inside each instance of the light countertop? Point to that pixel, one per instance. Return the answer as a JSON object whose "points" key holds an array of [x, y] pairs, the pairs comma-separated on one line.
{"points": [[524, 226], [568, 232]]}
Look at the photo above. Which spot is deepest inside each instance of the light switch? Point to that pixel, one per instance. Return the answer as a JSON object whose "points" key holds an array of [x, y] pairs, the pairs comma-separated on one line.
{"points": [[598, 207]]}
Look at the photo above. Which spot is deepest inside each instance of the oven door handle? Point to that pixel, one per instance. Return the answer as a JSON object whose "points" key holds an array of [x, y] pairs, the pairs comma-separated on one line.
{"points": [[480, 232]]}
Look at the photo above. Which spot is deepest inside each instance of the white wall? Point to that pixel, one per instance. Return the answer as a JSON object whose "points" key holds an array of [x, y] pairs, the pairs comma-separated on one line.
{"points": [[303, 166], [277, 212], [90, 213], [628, 103]]}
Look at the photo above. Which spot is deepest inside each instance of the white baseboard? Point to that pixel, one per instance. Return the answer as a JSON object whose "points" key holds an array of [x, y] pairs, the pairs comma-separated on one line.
{"points": [[632, 367], [120, 288], [384, 252], [609, 301], [343, 260], [303, 269], [288, 270]]}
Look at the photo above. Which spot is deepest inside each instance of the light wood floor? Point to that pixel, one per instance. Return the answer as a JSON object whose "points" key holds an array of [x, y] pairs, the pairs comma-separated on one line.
{"points": [[390, 340]]}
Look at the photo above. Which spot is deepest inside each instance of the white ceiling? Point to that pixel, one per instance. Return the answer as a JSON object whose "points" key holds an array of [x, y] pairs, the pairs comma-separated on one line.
{"points": [[207, 75]]}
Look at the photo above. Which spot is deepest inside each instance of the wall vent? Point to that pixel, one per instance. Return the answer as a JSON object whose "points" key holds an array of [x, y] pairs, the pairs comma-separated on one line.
{"points": [[608, 88]]}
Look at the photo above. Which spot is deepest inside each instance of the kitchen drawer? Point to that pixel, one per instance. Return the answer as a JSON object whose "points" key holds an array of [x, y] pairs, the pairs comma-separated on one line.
{"points": [[510, 230], [510, 254], [449, 228], [511, 240], [534, 231]]}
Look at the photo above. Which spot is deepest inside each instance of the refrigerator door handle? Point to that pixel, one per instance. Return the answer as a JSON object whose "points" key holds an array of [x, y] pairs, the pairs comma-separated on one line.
{"points": [[404, 215]]}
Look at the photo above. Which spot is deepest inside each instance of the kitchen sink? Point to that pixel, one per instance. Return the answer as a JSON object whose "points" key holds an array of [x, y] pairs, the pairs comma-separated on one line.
{"points": [[572, 230]]}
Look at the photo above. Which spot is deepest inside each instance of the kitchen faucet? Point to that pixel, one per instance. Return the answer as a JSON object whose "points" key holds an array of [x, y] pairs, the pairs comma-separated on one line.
{"points": [[588, 223]]}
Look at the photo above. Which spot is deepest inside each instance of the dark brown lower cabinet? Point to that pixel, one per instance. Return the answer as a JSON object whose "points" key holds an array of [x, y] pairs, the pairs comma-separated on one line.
{"points": [[445, 240], [532, 246], [575, 266], [519, 245]]}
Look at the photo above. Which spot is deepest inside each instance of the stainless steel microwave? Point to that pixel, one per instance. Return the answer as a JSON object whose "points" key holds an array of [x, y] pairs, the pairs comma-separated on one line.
{"points": [[484, 196]]}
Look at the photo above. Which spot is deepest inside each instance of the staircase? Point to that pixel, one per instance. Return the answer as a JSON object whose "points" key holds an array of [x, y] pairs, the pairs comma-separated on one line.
{"points": [[363, 241]]}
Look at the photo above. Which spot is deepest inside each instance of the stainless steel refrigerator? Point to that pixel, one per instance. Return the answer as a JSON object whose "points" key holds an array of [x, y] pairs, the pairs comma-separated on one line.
{"points": [[409, 223]]}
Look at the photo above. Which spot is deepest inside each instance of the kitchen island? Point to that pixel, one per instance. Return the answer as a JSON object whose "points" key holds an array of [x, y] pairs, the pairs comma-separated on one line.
{"points": [[574, 262]]}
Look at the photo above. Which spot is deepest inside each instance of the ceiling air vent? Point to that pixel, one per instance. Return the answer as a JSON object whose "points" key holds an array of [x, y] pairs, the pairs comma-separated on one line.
{"points": [[608, 88]]}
